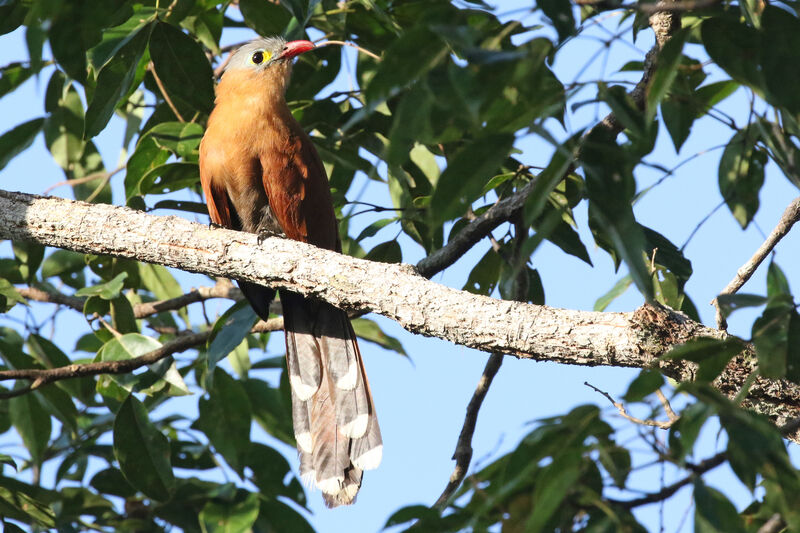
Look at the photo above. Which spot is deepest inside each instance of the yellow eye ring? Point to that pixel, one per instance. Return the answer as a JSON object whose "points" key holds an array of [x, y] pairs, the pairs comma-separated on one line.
{"points": [[259, 57]]}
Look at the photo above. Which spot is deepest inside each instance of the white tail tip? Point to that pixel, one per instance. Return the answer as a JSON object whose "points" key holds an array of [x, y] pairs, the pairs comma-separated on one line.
{"points": [[355, 428], [304, 442], [370, 460], [331, 485], [348, 381], [303, 391]]}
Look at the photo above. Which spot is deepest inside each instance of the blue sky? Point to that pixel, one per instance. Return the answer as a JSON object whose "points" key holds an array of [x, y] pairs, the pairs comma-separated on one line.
{"points": [[421, 402]]}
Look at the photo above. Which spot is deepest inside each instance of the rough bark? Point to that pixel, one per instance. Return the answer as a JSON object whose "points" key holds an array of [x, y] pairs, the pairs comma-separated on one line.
{"points": [[397, 292]]}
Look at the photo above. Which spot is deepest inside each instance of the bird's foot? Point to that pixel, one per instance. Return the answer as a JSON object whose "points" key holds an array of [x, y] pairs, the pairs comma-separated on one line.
{"points": [[214, 225], [265, 234]]}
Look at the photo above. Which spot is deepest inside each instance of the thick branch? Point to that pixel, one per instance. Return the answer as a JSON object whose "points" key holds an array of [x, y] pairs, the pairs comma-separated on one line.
{"points": [[394, 291]]}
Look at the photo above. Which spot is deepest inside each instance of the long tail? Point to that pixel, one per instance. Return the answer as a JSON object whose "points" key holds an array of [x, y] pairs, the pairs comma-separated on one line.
{"points": [[334, 416]]}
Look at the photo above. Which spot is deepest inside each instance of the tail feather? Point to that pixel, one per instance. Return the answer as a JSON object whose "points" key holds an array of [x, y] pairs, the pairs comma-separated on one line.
{"points": [[339, 416]]}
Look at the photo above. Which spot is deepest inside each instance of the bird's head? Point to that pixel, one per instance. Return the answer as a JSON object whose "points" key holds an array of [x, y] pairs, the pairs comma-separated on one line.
{"points": [[266, 59]]}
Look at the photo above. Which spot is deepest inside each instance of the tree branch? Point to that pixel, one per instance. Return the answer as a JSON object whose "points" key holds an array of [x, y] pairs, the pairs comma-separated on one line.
{"points": [[669, 490], [790, 216], [40, 377], [395, 291]]}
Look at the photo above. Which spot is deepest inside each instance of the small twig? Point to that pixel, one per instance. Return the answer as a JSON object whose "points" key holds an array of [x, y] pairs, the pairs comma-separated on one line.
{"points": [[352, 45], [669, 490], [161, 88], [790, 216], [80, 181], [624, 413], [220, 69], [775, 524], [667, 407]]}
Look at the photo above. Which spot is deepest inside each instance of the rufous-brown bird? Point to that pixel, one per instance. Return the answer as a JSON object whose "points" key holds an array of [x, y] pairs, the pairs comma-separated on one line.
{"points": [[261, 174]]}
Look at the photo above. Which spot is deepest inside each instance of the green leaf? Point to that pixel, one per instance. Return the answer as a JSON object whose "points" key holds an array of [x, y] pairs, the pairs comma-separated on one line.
{"points": [[267, 18], [32, 423], [386, 252], [12, 76], [728, 303], [62, 262], [741, 175], [230, 517], [271, 409], [771, 339], [180, 138], [666, 70], [106, 291], [17, 140], [9, 295], [170, 177], [711, 355], [113, 82], [735, 47], [684, 432], [485, 274], [552, 485], [370, 330], [778, 292], [128, 346], [142, 451], [122, 315], [646, 383], [560, 13], [714, 513], [270, 469], [228, 332], [182, 67], [780, 56], [225, 419], [617, 462], [158, 280], [615, 292], [395, 71], [374, 228], [610, 187], [147, 156], [467, 171]]}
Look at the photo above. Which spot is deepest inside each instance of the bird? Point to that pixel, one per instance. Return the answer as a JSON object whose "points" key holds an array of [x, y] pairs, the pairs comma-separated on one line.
{"points": [[260, 173]]}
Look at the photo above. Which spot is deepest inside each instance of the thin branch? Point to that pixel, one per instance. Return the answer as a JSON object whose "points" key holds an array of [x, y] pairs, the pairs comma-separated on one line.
{"points": [[624, 413], [161, 88], [669, 490], [667, 407], [775, 524], [106, 175], [463, 454], [40, 377], [223, 289], [790, 216], [352, 45], [43, 376]]}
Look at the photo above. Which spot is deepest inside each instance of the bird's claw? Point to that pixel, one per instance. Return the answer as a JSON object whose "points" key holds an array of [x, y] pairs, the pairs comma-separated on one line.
{"points": [[265, 234], [215, 225]]}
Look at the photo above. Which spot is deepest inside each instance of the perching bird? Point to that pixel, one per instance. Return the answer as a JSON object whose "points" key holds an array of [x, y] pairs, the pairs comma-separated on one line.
{"points": [[261, 174]]}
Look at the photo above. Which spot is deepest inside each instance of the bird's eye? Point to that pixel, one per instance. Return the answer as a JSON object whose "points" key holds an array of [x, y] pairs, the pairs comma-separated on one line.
{"points": [[258, 58]]}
